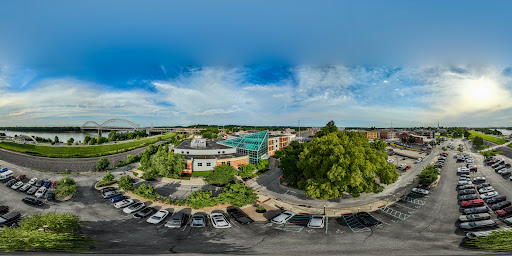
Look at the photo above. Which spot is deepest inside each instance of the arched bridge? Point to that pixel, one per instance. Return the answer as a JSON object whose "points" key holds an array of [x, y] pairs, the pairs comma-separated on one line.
{"points": [[131, 126]]}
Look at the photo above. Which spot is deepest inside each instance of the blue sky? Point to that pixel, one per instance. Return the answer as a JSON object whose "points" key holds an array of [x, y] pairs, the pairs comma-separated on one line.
{"points": [[360, 63]]}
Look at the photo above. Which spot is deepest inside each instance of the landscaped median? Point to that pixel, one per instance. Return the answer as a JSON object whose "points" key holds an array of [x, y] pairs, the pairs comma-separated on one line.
{"points": [[81, 151]]}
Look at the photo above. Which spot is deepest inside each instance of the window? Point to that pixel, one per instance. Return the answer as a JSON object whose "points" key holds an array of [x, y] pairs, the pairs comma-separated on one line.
{"points": [[223, 162], [187, 152], [218, 152], [223, 152], [182, 152], [208, 164], [229, 162], [199, 164]]}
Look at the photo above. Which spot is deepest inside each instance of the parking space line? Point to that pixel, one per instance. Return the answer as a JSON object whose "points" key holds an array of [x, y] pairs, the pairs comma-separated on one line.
{"points": [[412, 200], [380, 220], [354, 224], [326, 224], [233, 222], [395, 213], [412, 209]]}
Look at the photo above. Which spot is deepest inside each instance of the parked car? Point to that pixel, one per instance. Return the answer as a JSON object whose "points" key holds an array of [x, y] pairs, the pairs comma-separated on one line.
{"points": [[10, 182], [31, 190], [9, 218], [504, 172], [4, 208], [480, 209], [40, 192], [32, 181], [283, 217], [39, 183], [495, 199], [390, 160], [479, 179], [17, 185], [144, 213], [464, 182], [32, 201], [425, 187], [462, 187], [157, 217], [239, 216], [47, 184], [316, 221], [497, 169], [176, 221], [508, 220], [21, 177], [420, 191], [485, 190], [123, 203], [25, 187], [219, 220], [468, 197], [500, 205], [198, 221], [489, 195], [483, 185], [50, 195], [473, 235], [116, 199], [54, 184], [3, 170], [367, 219], [471, 203], [111, 194], [478, 224], [466, 192], [134, 207], [107, 189], [474, 217], [407, 167], [505, 211]]}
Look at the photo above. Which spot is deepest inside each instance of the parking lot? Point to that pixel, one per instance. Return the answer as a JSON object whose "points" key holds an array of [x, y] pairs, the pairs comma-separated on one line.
{"points": [[414, 225]]}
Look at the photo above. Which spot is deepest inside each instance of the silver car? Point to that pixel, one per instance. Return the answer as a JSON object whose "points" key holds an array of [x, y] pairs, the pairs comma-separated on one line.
{"points": [[283, 217], [474, 217], [176, 220], [478, 224], [32, 190], [316, 221], [488, 195], [198, 221]]}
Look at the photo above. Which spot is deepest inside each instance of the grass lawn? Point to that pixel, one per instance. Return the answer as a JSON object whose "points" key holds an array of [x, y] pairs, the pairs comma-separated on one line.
{"points": [[88, 151], [487, 138], [200, 173]]}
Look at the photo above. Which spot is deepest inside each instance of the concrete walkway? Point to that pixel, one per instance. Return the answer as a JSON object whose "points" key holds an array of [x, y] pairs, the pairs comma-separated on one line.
{"points": [[267, 185], [495, 147]]}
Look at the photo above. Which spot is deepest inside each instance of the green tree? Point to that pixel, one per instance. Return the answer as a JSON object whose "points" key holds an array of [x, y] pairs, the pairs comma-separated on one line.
{"points": [[102, 164], [201, 199], [221, 175], [379, 145], [246, 170], [167, 163], [108, 177], [428, 175], [478, 141], [288, 162], [146, 191], [467, 134], [411, 139], [330, 127], [112, 136], [126, 183], [344, 162], [263, 164], [56, 139], [70, 141], [237, 195], [144, 159]]}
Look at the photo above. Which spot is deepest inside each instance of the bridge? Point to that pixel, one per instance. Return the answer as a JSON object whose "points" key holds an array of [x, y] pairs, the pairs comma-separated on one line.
{"points": [[131, 126]]}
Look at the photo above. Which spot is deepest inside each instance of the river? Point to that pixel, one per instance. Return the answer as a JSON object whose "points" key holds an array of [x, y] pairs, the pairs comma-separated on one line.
{"points": [[63, 136], [505, 131]]}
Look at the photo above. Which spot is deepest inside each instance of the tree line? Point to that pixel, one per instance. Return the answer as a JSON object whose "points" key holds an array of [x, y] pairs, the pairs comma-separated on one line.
{"points": [[42, 129]]}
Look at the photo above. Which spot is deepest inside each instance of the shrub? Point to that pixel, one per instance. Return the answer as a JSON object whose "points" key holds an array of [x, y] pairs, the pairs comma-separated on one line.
{"points": [[221, 175], [201, 199], [102, 164], [149, 174], [65, 187], [246, 170], [105, 183], [263, 164], [146, 191], [237, 195], [428, 175], [108, 177], [126, 183]]}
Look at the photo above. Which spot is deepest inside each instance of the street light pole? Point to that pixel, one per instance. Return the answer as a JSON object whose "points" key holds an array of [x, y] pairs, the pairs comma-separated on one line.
{"points": [[324, 209]]}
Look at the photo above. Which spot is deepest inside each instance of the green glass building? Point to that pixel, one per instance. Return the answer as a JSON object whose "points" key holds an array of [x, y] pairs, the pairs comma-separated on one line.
{"points": [[254, 145]]}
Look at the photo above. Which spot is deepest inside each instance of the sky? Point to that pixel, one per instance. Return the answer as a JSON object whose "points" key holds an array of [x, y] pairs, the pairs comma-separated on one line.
{"points": [[168, 63]]}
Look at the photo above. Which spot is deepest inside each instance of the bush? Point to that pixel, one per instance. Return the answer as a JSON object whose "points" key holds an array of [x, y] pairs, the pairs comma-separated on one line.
{"points": [[149, 174], [221, 175], [428, 175], [126, 183], [237, 195], [108, 177], [146, 191], [65, 187], [246, 170], [200, 173], [201, 199], [105, 183], [102, 164], [263, 164]]}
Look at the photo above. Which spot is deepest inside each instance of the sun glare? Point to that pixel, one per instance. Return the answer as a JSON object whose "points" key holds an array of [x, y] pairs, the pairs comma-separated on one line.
{"points": [[480, 91]]}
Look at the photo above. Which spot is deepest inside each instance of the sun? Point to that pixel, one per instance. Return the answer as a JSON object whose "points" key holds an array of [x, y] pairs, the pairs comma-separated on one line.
{"points": [[480, 91]]}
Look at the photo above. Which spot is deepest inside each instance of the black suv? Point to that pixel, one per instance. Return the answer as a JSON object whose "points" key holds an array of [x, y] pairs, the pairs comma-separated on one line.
{"points": [[500, 205], [239, 216], [9, 218], [32, 201], [367, 219], [495, 199]]}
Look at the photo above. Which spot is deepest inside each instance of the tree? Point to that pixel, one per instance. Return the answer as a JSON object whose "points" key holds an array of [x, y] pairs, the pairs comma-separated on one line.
{"points": [[428, 175], [478, 141], [126, 183], [460, 149], [108, 177], [201, 199], [237, 195], [263, 164], [467, 134], [288, 164], [144, 159], [167, 163], [344, 162], [330, 127], [102, 164], [56, 139], [246, 170], [411, 139], [379, 145], [70, 141], [146, 191], [221, 175]]}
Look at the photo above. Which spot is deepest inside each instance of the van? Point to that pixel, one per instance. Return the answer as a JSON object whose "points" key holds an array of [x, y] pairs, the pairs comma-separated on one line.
{"points": [[6, 175], [9, 218]]}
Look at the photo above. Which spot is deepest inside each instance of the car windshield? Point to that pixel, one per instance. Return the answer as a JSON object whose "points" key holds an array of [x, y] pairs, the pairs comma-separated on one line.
{"points": [[156, 217]]}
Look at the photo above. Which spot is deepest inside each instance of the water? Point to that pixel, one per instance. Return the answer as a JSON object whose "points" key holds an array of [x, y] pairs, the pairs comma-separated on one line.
{"points": [[63, 136], [505, 131]]}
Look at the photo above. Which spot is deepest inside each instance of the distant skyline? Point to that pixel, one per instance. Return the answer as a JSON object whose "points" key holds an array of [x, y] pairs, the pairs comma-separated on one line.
{"points": [[170, 63]]}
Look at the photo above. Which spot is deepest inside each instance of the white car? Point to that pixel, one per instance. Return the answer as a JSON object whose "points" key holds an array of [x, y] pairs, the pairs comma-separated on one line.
{"points": [[420, 191], [488, 195], [157, 217], [25, 187], [40, 192], [283, 217], [134, 208], [390, 160], [464, 182], [17, 185], [219, 220], [485, 190], [316, 221], [123, 203], [402, 166], [32, 181]]}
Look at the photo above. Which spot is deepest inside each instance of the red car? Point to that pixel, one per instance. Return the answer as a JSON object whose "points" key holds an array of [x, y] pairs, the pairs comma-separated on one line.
{"points": [[504, 211], [476, 202], [21, 177], [54, 185], [4, 208], [407, 167]]}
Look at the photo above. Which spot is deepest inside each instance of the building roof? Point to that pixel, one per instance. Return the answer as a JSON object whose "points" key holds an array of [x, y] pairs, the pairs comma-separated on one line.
{"points": [[249, 142], [209, 145], [236, 155]]}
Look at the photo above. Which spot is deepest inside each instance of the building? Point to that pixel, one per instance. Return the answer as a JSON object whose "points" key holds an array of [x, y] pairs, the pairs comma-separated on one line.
{"points": [[420, 139], [276, 143], [372, 135], [405, 135], [426, 133], [254, 145], [387, 135], [203, 155]]}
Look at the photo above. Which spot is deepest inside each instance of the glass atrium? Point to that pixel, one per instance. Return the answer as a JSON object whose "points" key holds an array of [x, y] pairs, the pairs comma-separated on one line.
{"points": [[254, 145]]}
